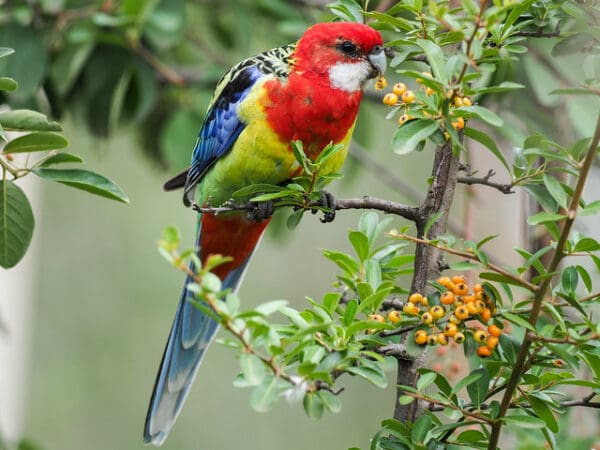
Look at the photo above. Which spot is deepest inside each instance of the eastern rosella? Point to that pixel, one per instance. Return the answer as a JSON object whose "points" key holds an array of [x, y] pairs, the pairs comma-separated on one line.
{"points": [[308, 91]]}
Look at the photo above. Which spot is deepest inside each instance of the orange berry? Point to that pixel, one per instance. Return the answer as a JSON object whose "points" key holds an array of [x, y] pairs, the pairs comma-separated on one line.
{"points": [[447, 298], [376, 318], [450, 330], [483, 351], [461, 313], [394, 316], [494, 330], [486, 315], [558, 363], [415, 298], [492, 342], [480, 336], [437, 312], [9, 157], [460, 289], [441, 351], [408, 97], [458, 124], [458, 279], [390, 99], [442, 339], [421, 338], [477, 288], [444, 281], [399, 89], [468, 298], [459, 338]]}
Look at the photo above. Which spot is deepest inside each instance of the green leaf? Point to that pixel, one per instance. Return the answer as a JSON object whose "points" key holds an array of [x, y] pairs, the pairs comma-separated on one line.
{"points": [[420, 428], [330, 401], [425, 380], [481, 113], [367, 224], [4, 51], [408, 136], [27, 120], [16, 224], [518, 320], [313, 406], [524, 421], [360, 242], [544, 217], [373, 376], [470, 378], [253, 368], [373, 273], [85, 180], [485, 140], [268, 308], [8, 84], [586, 245], [478, 389], [435, 58], [569, 279], [350, 313], [544, 412], [555, 189], [265, 395], [36, 142], [61, 158], [505, 86], [256, 189], [294, 219]]}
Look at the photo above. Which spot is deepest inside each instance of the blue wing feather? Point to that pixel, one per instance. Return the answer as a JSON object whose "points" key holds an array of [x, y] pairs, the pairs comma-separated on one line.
{"points": [[221, 127]]}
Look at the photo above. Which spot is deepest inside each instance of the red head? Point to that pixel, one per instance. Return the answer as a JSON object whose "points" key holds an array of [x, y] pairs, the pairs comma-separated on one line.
{"points": [[342, 54]]}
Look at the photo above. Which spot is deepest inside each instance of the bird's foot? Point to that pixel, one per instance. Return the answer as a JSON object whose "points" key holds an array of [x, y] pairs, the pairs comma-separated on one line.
{"points": [[260, 211], [327, 202]]}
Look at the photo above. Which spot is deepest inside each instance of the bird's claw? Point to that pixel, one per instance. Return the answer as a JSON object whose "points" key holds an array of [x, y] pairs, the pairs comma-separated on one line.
{"points": [[327, 201], [260, 211]]}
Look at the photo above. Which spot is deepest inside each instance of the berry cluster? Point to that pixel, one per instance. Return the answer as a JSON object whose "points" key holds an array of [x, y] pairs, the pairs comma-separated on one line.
{"points": [[404, 99], [461, 312]]}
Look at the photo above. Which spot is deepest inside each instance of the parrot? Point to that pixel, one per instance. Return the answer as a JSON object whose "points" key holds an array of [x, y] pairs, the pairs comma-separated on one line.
{"points": [[308, 91]]}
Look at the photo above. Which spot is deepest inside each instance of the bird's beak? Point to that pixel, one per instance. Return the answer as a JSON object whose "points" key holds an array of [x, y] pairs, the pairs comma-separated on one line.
{"points": [[378, 60]]}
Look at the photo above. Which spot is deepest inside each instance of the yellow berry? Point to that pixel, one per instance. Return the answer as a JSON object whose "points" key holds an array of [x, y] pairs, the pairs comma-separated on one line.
{"points": [[427, 318], [394, 316], [408, 97], [390, 99], [458, 124], [424, 301], [442, 339], [494, 330], [410, 309], [437, 312], [381, 83], [403, 119], [447, 298], [480, 336], [483, 351], [415, 298], [429, 91], [399, 89], [376, 318], [466, 101], [471, 308], [427, 74], [558, 363], [454, 320], [477, 288], [421, 338], [468, 298], [432, 339], [450, 330], [459, 338], [458, 101], [461, 313], [480, 306]]}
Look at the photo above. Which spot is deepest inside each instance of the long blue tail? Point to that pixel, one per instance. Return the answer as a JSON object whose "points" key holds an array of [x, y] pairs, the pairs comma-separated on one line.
{"points": [[190, 335]]}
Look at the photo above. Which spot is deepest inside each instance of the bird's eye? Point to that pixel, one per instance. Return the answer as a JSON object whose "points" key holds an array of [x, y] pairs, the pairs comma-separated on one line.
{"points": [[348, 48]]}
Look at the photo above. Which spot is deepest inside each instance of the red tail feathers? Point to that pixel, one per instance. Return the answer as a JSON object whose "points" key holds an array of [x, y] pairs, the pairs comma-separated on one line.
{"points": [[229, 235]]}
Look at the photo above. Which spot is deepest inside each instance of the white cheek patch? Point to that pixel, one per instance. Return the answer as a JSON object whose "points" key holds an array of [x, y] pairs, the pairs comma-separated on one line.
{"points": [[349, 76]]}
